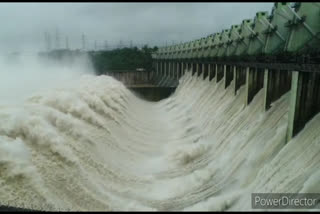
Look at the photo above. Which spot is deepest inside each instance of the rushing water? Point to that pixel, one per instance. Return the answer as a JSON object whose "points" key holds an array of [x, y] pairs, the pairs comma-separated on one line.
{"points": [[94, 145]]}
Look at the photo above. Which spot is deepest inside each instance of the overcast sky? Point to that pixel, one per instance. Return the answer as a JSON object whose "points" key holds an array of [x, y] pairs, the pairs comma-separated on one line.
{"points": [[22, 25]]}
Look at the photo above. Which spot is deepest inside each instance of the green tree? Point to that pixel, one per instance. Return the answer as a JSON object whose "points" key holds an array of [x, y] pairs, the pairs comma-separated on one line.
{"points": [[123, 59]]}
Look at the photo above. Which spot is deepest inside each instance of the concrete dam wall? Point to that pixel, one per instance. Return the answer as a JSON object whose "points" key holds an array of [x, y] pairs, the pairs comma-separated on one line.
{"points": [[152, 93]]}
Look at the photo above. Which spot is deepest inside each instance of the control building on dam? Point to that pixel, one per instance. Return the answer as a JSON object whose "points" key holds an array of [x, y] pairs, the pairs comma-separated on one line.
{"points": [[276, 52]]}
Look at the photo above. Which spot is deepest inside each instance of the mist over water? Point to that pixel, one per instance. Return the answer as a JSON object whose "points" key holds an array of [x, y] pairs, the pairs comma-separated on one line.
{"points": [[86, 142], [22, 75]]}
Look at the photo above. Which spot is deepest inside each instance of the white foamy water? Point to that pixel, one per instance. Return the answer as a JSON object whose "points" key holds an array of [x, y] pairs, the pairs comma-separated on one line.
{"points": [[93, 145]]}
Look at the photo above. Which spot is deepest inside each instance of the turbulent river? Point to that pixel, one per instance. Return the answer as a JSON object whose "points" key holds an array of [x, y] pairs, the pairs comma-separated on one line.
{"points": [[94, 145]]}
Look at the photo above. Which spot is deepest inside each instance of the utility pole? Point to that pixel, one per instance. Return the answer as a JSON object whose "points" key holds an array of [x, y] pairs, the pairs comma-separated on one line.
{"points": [[83, 42], [49, 42], [67, 43], [57, 39], [95, 45], [131, 45], [106, 45], [46, 40], [120, 44]]}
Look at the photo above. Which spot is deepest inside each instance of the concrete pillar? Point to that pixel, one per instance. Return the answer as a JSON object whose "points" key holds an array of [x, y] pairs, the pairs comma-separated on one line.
{"points": [[216, 69], [163, 68], [182, 68], [205, 70], [171, 70], [276, 83], [163, 72], [174, 65], [186, 68], [254, 82], [163, 64], [142, 77], [304, 101], [197, 69], [268, 86], [127, 78], [248, 85], [158, 68], [212, 72], [228, 75], [234, 70], [174, 70], [296, 88], [219, 72], [239, 78], [194, 68], [178, 71]]}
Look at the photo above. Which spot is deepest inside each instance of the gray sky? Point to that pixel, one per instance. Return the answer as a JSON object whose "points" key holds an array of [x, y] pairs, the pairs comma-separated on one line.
{"points": [[23, 24]]}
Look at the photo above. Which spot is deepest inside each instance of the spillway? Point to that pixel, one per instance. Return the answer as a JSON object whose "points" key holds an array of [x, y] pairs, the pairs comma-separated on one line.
{"points": [[94, 145]]}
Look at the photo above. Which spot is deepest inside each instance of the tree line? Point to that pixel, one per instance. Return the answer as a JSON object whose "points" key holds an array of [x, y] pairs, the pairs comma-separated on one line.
{"points": [[122, 59]]}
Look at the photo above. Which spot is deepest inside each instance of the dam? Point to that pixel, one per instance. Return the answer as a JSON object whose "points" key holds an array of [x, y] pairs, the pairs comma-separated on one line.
{"points": [[97, 146], [202, 131]]}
